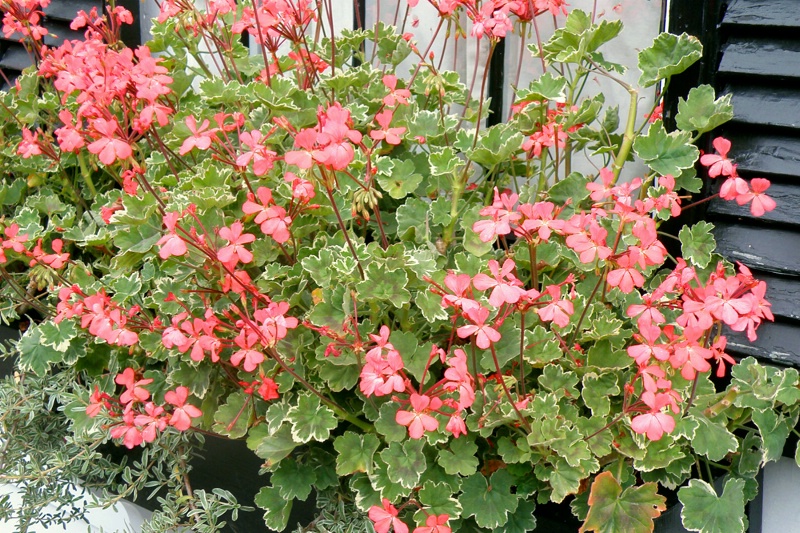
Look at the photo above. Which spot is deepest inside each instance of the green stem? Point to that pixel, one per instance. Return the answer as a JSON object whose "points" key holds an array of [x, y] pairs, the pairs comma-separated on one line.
{"points": [[629, 136], [86, 174]]}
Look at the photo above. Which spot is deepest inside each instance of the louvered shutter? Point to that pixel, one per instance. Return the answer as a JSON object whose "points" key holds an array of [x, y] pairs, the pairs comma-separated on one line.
{"points": [[753, 53]]}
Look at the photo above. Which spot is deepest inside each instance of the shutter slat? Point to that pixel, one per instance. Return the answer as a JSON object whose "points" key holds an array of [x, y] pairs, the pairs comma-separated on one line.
{"points": [[763, 13], [15, 58], [771, 250], [776, 343], [766, 154], [67, 9], [772, 106], [761, 57]]}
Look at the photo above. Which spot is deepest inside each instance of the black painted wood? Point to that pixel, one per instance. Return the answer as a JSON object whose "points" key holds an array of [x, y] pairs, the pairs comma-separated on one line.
{"points": [[776, 343], [769, 105], [770, 250], [774, 58], [763, 13], [67, 9], [766, 153], [15, 58]]}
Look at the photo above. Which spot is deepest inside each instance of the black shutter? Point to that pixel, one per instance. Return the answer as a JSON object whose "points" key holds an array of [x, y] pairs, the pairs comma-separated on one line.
{"points": [[753, 52]]}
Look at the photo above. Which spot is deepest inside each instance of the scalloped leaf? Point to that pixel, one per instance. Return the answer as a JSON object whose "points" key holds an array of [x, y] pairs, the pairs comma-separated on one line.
{"points": [[612, 509], [705, 511], [668, 55]]}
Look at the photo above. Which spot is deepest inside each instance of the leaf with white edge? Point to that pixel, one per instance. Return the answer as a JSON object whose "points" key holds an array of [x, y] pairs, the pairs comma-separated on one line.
{"points": [[58, 336], [702, 111], [294, 480], [310, 420], [496, 146], [401, 180], [438, 499], [774, 430], [355, 452], [705, 511], [712, 438], [34, 355], [405, 463], [387, 425], [431, 306], [365, 494], [388, 485], [460, 458], [668, 55], [698, 243], [233, 417], [564, 479], [272, 447], [546, 87], [613, 510], [277, 508], [444, 163], [489, 501], [520, 521], [385, 286], [666, 153]]}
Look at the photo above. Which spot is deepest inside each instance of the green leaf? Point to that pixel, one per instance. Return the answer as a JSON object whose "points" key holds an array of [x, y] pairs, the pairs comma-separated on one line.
{"points": [[385, 286], [460, 458], [355, 452], [711, 438], [438, 499], [489, 501], [496, 145], [546, 87], [277, 508], [415, 357], [572, 188], [774, 430], [698, 243], [58, 336], [702, 111], [387, 425], [706, 512], [472, 242], [598, 391], [564, 479], [668, 55], [233, 417], [401, 178], [406, 463], [310, 420], [445, 162], [611, 509], [520, 521], [666, 153], [272, 447], [34, 355], [294, 480]]}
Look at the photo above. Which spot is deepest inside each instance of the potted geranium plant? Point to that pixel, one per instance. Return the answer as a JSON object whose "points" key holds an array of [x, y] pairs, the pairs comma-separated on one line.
{"points": [[434, 324]]}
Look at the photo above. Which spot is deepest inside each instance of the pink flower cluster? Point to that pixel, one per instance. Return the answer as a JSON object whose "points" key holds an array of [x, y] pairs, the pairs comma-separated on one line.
{"points": [[104, 318], [141, 420], [688, 345], [734, 187], [16, 242], [23, 17], [385, 518], [383, 374], [106, 81]]}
